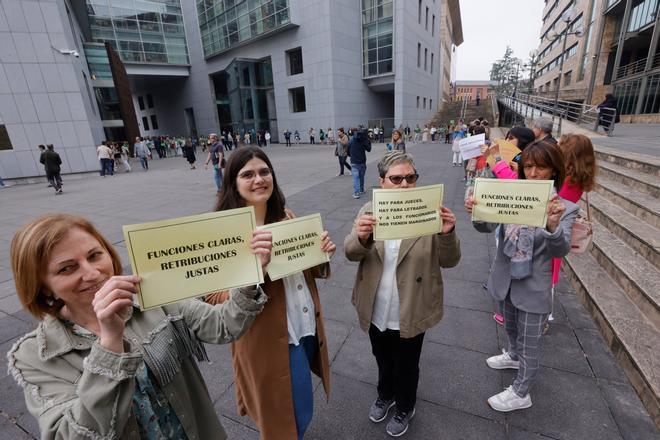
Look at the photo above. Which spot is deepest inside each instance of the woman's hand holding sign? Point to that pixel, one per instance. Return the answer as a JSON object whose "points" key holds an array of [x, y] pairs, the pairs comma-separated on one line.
{"points": [[261, 245], [556, 208], [365, 226], [327, 245], [469, 204], [448, 220]]}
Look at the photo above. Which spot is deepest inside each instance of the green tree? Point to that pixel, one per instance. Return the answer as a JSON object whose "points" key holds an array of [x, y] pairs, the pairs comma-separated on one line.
{"points": [[507, 71]]}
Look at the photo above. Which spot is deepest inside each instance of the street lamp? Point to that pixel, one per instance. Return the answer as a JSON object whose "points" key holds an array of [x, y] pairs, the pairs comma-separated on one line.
{"points": [[566, 17], [532, 65]]}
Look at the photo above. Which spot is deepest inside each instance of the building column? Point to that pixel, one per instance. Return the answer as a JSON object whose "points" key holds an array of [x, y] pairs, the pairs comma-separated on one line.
{"points": [[622, 37], [598, 49], [649, 65]]}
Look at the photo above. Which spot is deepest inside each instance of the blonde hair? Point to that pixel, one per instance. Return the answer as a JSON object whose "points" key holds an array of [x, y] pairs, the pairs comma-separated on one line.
{"points": [[579, 159], [30, 250]]}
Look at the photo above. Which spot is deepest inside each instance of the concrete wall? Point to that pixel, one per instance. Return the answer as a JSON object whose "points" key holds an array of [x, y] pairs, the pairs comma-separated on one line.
{"points": [[43, 96]]}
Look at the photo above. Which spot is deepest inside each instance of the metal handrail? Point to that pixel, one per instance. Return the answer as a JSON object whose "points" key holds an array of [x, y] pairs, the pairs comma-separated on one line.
{"points": [[637, 67]]}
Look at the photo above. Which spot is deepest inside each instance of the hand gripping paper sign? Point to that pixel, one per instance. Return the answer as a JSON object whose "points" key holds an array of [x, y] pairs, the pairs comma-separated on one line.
{"points": [[507, 150], [512, 201], [296, 245], [471, 146], [191, 256], [407, 213]]}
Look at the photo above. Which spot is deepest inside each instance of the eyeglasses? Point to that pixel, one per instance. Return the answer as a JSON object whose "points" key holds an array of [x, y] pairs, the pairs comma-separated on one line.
{"points": [[251, 174], [410, 178]]}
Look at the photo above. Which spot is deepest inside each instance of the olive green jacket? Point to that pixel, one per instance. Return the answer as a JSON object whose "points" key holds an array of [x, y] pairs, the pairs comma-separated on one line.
{"points": [[77, 389]]}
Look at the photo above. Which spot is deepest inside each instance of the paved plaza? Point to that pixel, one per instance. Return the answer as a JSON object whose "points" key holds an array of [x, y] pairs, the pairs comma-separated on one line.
{"points": [[581, 393]]}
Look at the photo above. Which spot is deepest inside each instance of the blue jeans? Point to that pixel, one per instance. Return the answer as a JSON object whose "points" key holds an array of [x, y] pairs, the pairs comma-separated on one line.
{"points": [[358, 170], [144, 163], [217, 176], [107, 167], [300, 358]]}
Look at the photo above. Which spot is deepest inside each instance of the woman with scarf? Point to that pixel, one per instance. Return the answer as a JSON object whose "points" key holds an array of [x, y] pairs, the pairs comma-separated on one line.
{"points": [[521, 275]]}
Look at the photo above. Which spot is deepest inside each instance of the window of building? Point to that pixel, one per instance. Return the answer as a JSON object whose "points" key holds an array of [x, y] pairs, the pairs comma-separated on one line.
{"points": [[426, 20], [419, 14], [567, 77], [426, 56], [89, 93], [145, 123], [418, 102], [555, 83], [141, 102], [154, 122], [5, 142], [433, 26], [419, 54], [150, 101], [294, 63], [377, 32], [424, 105], [431, 62], [297, 100], [430, 103]]}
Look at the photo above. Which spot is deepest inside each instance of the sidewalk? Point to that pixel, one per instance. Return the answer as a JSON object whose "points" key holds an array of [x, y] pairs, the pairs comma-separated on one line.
{"points": [[581, 393]]}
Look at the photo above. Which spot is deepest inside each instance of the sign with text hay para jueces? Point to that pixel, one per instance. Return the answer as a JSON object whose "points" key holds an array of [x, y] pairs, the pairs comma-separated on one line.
{"points": [[407, 212], [296, 245], [512, 201], [192, 256]]}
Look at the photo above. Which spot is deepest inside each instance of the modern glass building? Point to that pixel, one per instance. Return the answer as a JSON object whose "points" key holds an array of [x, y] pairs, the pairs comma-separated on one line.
{"points": [[377, 37]]}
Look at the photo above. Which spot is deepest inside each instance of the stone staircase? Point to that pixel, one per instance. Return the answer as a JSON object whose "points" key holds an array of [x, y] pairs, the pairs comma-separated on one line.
{"points": [[452, 110], [618, 280]]}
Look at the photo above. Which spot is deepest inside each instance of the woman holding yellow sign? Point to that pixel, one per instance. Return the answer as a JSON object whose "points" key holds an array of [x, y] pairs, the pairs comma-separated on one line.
{"points": [[398, 294], [96, 367], [521, 275], [274, 360]]}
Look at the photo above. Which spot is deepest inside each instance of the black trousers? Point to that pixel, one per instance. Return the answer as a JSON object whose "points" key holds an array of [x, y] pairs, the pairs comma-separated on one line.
{"points": [[398, 365]]}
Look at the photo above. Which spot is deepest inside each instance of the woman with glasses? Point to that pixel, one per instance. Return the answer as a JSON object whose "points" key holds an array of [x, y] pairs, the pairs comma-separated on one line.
{"points": [[398, 294], [274, 359], [521, 276]]}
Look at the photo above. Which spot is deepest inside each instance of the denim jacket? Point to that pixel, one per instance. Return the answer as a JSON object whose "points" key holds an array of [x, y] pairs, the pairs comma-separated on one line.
{"points": [[75, 388]]}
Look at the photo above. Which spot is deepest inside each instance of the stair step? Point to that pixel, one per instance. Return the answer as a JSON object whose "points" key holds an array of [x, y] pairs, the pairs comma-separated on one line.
{"points": [[636, 233], [634, 341], [638, 278], [640, 162], [639, 180], [637, 203]]}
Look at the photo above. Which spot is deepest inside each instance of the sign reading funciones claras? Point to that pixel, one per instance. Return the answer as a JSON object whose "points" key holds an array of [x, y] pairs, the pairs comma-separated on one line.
{"points": [[296, 245], [407, 213], [191, 256], [512, 201]]}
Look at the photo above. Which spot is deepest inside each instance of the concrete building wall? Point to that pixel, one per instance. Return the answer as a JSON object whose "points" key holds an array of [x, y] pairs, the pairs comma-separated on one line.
{"points": [[43, 94]]}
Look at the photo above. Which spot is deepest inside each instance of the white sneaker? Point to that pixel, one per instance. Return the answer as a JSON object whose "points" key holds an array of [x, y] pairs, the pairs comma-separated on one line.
{"points": [[508, 400], [502, 362]]}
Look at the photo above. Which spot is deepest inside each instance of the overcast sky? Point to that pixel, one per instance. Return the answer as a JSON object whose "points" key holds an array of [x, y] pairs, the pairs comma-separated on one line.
{"points": [[488, 26]]}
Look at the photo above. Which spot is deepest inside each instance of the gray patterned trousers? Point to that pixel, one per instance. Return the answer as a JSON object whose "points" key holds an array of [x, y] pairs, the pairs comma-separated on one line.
{"points": [[524, 330]]}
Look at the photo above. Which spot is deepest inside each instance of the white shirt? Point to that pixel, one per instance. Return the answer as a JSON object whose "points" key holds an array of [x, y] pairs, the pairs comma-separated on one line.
{"points": [[300, 311], [386, 306]]}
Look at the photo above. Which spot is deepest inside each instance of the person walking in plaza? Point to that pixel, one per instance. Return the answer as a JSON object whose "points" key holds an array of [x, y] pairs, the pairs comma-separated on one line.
{"points": [[398, 143], [274, 360], [458, 134], [217, 158], [341, 151], [433, 132], [542, 128], [331, 136], [358, 147], [51, 162], [189, 153], [104, 154], [398, 294], [287, 137], [521, 275], [296, 137], [607, 114], [141, 150], [98, 367], [312, 136], [125, 152], [267, 138]]}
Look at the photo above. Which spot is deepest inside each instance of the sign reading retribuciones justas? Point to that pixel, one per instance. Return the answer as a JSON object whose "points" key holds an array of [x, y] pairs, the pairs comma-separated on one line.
{"points": [[512, 201], [296, 245], [407, 213], [191, 256], [471, 146]]}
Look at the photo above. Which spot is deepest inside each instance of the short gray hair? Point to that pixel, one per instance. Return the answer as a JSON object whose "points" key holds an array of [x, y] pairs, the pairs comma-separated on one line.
{"points": [[544, 124], [393, 158]]}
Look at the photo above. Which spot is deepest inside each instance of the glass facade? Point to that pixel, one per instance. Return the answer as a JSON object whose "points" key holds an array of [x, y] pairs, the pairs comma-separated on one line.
{"points": [[227, 23], [245, 97], [141, 31], [377, 37], [642, 14]]}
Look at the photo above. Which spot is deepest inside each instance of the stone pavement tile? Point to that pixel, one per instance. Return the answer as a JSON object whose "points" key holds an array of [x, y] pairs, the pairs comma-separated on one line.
{"points": [[9, 431], [10, 327], [336, 301], [578, 317], [560, 349], [599, 356], [4, 348], [464, 328], [7, 288], [467, 295], [628, 411], [238, 431], [337, 419], [458, 378], [218, 374], [336, 333], [226, 406], [10, 304], [13, 405], [566, 406], [521, 434]]}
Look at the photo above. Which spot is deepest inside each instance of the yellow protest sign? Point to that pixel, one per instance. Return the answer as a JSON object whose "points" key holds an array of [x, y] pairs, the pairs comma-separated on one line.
{"points": [[191, 256], [507, 150], [512, 201], [407, 212], [296, 245]]}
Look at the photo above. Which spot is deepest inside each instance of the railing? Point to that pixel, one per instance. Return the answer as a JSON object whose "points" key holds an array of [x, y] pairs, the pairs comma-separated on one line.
{"points": [[496, 111], [533, 106], [464, 105], [637, 67]]}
